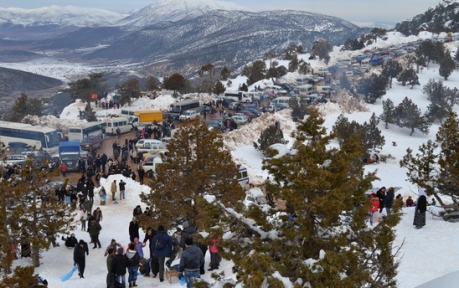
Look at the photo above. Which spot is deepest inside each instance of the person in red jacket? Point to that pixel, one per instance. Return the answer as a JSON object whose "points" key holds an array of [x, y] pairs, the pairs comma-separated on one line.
{"points": [[63, 169], [374, 206]]}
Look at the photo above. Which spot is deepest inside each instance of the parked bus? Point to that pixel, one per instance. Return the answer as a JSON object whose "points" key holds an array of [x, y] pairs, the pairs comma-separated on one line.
{"points": [[120, 122], [37, 137], [176, 109], [239, 96], [78, 133]]}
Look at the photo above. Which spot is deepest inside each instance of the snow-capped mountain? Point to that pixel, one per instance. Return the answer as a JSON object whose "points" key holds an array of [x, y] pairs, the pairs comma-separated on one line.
{"points": [[58, 15], [174, 10]]}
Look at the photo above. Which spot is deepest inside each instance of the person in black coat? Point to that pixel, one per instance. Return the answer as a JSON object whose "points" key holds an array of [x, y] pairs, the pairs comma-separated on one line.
{"points": [[421, 208], [133, 229], [71, 241], [137, 211], [119, 266], [79, 258], [381, 194]]}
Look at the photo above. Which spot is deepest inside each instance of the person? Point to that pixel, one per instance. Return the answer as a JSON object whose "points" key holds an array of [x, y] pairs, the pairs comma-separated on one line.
{"points": [[110, 275], [97, 214], [214, 256], [139, 246], [409, 202], [389, 200], [148, 212], [113, 189], [64, 170], [112, 245], [137, 211], [94, 230], [83, 219], [103, 195], [119, 266], [133, 229], [176, 249], [122, 185], [381, 194], [161, 247], [79, 258], [433, 202], [133, 264], [421, 208], [374, 206], [71, 241], [398, 202], [190, 262], [141, 173]]}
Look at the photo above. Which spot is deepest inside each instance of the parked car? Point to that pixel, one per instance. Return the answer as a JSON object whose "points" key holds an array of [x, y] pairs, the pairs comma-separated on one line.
{"points": [[18, 147], [15, 159], [39, 156], [240, 119], [92, 141], [216, 123], [235, 106], [254, 111], [248, 114]]}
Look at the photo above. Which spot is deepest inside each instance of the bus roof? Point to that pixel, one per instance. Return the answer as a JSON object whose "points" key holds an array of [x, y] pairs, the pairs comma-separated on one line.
{"points": [[88, 124], [187, 101], [16, 125]]}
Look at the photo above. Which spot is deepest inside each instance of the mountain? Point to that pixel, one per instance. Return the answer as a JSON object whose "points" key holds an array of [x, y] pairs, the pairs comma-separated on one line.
{"points": [[12, 81], [174, 10], [233, 37], [48, 22], [443, 18]]}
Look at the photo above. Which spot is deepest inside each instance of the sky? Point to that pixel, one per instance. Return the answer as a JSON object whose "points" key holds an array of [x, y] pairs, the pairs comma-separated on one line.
{"points": [[387, 11]]}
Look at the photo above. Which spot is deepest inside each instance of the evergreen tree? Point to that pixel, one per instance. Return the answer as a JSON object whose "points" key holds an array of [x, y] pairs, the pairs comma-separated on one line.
{"points": [[422, 167], [408, 76], [372, 88], [175, 82], [24, 106], [391, 70], [447, 66], [448, 136], [219, 88], [225, 73], [153, 84], [426, 50], [22, 277], [299, 108], [89, 114], [37, 218], [197, 165], [244, 87], [271, 135], [293, 64], [373, 137], [84, 88], [129, 89], [344, 130], [255, 72], [318, 184], [409, 116], [442, 100], [389, 115], [304, 67], [207, 72], [322, 48]]}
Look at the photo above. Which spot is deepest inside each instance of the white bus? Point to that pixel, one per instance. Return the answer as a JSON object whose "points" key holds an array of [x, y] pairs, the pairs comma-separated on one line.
{"points": [[120, 122], [78, 133], [37, 137]]}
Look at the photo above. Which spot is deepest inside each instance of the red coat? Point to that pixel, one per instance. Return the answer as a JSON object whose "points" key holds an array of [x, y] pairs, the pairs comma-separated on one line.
{"points": [[374, 205], [63, 168]]}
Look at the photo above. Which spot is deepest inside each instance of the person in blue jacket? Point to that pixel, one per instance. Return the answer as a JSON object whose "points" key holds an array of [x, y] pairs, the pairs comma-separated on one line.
{"points": [[161, 247]]}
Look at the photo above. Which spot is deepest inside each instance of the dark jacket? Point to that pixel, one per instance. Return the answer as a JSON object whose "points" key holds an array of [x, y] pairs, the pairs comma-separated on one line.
{"points": [[186, 233], [134, 229], [149, 238], [71, 242], [133, 258], [166, 251], [94, 228], [421, 204], [137, 211], [381, 195], [119, 264], [191, 259], [109, 263], [78, 252], [389, 200]]}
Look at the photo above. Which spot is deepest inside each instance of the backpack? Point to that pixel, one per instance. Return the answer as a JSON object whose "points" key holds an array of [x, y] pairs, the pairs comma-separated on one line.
{"points": [[160, 243]]}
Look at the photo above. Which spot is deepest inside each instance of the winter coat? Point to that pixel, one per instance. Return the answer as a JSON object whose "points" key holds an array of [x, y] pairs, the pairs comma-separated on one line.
{"points": [[139, 248], [389, 200], [134, 229], [381, 195], [88, 206], [109, 263], [213, 247], [374, 205], [94, 228], [122, 185], [166, 251], [113, 187], [137, 211], [186, 233], [97, 214], [191, 259], [149, 237], [78, 252], [71, 242], [119, 264], [133, 258]]}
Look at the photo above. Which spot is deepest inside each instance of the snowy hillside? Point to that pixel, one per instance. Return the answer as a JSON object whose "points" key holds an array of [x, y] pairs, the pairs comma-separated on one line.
{"points": [[174, 10], [59, 15]]}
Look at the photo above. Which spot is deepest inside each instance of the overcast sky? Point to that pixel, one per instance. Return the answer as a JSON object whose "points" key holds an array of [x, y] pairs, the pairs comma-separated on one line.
{"points": [[353, 10]]}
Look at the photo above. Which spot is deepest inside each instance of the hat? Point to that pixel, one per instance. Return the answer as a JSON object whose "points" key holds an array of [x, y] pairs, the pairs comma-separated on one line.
{"points": [[189, 241], [179, 229], [72, 235], [373, 194], [120, 251], [81, 242]]}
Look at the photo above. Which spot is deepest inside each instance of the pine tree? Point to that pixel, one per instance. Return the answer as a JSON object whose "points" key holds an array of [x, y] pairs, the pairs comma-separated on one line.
{"points": [[219, 88], [322, 48], [442, 100], [388, 115], [153, 83], [84, 88], [447, 66], [391, 70], [304, 67], [293, 64], [225, 73], [175, 82], [37, 216], [129, 89], [22, 277], [25, 106], [409, 116], [422, 167], [318, 184], [373, 136], [344, 129], [448, 136], [207, 72], [255, 71], [372, 88], [299, 108], [271, 135], [408, 76], [197, 165]]}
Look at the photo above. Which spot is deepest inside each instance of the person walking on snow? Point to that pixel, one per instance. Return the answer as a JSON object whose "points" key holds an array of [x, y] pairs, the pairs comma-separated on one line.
{"points": [[79, 258]]}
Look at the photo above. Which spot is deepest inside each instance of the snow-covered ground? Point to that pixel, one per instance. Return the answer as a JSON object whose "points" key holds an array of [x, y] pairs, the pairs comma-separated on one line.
{"points": [[426, 253]]}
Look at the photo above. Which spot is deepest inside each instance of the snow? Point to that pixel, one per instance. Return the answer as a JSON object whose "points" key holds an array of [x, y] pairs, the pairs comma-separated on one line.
{"points": [[424, 255]]}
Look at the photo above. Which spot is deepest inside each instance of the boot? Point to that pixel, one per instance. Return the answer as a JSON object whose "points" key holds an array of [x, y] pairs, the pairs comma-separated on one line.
{"points": [[130, 284], [134, 285]]}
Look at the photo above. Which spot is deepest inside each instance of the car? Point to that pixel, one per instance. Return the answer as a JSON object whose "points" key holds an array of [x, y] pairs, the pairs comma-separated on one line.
{"points": [[18, 147], [216, 123], [92, 141], [15, 159], [240, 119], [226, 102], [254, 111], [38, 155], [248, 114], [235, 106], [208, 109]]}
